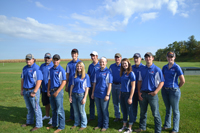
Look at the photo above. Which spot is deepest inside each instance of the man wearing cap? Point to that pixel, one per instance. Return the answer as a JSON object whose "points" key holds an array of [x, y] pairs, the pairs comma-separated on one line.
{"points": [[57, 80], [45, 67], [116, 86], [31, 79], [70, 72], [149, 84], [136, 68], [93, 67]]}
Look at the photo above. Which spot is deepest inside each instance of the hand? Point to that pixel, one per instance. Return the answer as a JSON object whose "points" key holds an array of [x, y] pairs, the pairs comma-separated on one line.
{"points": [[83, 101], [70, 99], [66, 88], [48, 94], [21, 93], [152, 93], [140, 96], [32, 94], [55, 94], [129, 101], [92, 96], [106, 98]]}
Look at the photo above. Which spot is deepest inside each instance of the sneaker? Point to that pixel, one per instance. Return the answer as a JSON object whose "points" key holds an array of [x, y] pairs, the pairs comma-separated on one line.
{"points": [[123, 128], [45, 117], [50, 122], [128, 131]]}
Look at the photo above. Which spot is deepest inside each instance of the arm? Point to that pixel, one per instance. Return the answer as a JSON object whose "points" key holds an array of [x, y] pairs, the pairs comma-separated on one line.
{"points": [[48, 89], [70, 93], [37, 86], [157, 89], [85, 96], [132, 92], [182, 81], [139, 84], [22, 82], [60, 88], [92, 96], [108, 92], [67, 81]]}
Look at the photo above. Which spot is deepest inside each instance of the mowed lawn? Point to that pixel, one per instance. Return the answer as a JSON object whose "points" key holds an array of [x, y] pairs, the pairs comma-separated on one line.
{"points": [[13, 110]]}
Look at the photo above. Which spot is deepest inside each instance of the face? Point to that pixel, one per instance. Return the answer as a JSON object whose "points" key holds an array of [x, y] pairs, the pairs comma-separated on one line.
{"points": [[125, 64], [47, 60], [149, 59], [118, 59], [94, 57], [170, 59], [103, 63], [56, 62], [29, 62], [74, 56], [137, 60], [79, 68]]}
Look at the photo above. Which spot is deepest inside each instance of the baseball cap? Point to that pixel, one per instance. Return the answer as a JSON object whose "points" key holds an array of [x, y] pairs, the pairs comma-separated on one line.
{"points": [[47, 55], [172, 54], [29, 56], [118, 55], [56, 56], [74, 50], [137, 55], [148, 54], [94, 53]]}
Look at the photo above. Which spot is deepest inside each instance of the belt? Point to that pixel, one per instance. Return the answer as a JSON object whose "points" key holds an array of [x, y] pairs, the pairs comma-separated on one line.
{"points": [[124, 92], [27, 89], [168, 88], [54, 89], [116, 83], [146, 91]]}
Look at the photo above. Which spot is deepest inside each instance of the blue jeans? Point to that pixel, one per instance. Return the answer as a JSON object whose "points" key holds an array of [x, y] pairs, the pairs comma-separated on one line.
{"points": [[171, 99], [153, 102], [115, 99], [33, 106], [103, 114], [58, 117], [71, 107], [135, 105], [126, 108], [92, 106], [79, 108]]}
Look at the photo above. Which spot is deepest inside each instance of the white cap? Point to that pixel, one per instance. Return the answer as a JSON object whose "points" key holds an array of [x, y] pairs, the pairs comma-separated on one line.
{"points": [[94, 53]]}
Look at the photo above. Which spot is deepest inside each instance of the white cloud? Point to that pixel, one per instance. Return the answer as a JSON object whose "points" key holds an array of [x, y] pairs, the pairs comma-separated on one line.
{"points": [[148, 16], [38, 4], [173, 6], [184, 15], [30, 28]]}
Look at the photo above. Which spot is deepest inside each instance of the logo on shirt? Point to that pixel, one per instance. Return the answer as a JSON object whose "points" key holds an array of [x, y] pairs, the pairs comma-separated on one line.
{"points": [[30, 71], [104, 74], [118, 69], [126, 75], [56, 72], [152, 72], [173, 69], [98, 67], [49, 67], [81, 79]]}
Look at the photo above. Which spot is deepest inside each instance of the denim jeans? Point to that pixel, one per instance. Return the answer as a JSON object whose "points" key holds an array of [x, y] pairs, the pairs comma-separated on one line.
{"points": [[171, 99], [92, 105], [79, 108], [71, 108], [58, 117], [102, 111], [115, 99], [33, 106], [153, 102], [126, 108], [135, 106]]}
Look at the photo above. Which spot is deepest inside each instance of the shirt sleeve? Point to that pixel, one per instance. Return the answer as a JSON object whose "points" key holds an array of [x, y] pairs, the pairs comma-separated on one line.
{"points": [[39, 75], [132, 76], [63, 75], [95, 78], [49, 76], [22, 75], [67, 69], [73, 81], [140, 76], [88, 81], [89, 70], [110, 78], [179, 71]]}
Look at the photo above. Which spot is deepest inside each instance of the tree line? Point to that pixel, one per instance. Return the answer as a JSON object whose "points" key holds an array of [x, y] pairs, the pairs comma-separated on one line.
{"points": [[185, 50]]}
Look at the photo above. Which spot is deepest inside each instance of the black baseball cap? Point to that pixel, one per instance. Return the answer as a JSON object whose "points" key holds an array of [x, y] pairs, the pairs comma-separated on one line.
{"points": [[47, 55], [56, 56], [137, 55], [74, 50]]}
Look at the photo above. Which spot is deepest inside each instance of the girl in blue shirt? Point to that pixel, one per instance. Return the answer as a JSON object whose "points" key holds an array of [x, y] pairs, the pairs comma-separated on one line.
{"points": [[78, 95]]}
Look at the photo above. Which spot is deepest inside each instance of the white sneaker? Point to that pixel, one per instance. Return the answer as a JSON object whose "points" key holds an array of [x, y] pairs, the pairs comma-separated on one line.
{"points": [[128, 131], [123, 128], [45, 117], [50, 122]]}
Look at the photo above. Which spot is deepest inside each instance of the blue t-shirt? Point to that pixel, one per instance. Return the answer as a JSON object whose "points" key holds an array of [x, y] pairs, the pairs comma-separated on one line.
{"points": [[71, 69], [171, 75], [102, 79], [126, 80], [150, 77], [80, 84], [136, 72], [115, 70], [31, 75], [56, 76], [45, 71], [92, 69]]}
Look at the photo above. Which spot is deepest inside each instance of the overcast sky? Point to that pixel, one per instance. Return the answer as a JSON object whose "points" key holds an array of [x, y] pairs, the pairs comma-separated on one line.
{"points": [[105, 26]]}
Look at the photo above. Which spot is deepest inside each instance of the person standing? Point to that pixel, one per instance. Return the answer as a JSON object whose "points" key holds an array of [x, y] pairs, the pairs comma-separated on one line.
{"points": [[101, 92], [126, 94], [70, 73], [149, 84], [171, 91], [31, 79], [93, 67], [78, 95], [115, 70], [45, 67], [136, 68], [57, 81]]}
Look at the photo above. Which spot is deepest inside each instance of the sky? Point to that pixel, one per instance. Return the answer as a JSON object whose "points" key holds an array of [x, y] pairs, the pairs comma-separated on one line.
{"points": [[105, 26]]}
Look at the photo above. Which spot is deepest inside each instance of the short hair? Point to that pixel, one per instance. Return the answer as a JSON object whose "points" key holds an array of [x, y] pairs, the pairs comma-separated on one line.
{"points": [[82, 71], [129, 69], [103, 58]]}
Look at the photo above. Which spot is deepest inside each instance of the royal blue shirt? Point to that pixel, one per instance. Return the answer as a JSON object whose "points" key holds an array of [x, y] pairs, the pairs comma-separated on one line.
{"points": [[92, 69], [150, 77], [126, 80], [115, 70], [171, 75], [71, 69], [136, 72], [45, 71], [102, 79], [31, 75], [80, 84], [56, 76]]}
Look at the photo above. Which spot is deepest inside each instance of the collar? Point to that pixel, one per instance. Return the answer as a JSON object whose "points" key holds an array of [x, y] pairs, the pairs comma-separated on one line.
{"points": [[103, 69], [75, 61], [31, 65], [56, 67], [138, 66], [150, 66], [96, 64], [51, 63], [119, 64]]}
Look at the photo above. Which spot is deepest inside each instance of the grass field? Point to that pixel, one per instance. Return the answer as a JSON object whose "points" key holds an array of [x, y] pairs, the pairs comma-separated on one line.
{"points": [[13, 110]]}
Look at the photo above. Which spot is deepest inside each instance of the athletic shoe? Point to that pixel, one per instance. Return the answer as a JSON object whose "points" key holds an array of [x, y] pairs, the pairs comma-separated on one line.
{"points": [[128, 131], [45, 117], [123, 128], [50, 121]]}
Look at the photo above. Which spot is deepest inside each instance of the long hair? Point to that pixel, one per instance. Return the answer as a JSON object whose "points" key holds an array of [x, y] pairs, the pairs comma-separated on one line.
{"points": [[82, 71], [129, 69]]}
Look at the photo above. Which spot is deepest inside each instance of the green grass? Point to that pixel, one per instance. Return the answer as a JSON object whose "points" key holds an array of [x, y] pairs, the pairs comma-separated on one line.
{"points": [[13, 110]]}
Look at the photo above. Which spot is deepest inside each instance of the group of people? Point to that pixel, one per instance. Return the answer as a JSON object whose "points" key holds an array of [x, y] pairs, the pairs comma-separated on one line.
{"points": [[129, 85]]}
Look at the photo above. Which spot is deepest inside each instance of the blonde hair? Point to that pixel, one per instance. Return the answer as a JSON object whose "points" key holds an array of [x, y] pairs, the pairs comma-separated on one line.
{"points": [[82, 71], [129, 69]]}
